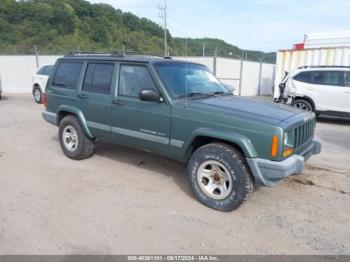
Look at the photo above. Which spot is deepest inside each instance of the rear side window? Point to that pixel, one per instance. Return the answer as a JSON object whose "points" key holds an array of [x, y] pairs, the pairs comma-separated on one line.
{"points": [[347, 79], [41, 71], [98, 78], [303, 77], [134, 78], [67, 74], [45, 70], [332, 78]]}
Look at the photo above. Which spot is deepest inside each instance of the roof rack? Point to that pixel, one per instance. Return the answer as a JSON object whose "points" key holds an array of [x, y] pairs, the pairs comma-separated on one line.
{"points": [[115, 53], [323, 66]]}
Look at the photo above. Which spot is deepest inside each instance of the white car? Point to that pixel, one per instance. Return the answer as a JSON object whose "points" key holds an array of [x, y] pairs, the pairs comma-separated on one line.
{"points": [[321, 89], [39, 81]]}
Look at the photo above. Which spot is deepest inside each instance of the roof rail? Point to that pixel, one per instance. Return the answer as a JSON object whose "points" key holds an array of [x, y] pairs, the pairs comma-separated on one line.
{"points": [[323, 66], [114, 53]]}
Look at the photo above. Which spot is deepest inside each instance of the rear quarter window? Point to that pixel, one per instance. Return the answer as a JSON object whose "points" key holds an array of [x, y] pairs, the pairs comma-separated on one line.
{"points": [[67, 74], [304, 77]]}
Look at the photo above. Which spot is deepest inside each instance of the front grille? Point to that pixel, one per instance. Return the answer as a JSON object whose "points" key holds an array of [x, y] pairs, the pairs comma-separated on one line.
{"points": [[303, 133]]}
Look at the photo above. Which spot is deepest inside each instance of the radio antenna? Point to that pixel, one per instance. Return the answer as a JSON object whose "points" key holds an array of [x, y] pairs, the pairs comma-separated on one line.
{"points": [[186, 84]]}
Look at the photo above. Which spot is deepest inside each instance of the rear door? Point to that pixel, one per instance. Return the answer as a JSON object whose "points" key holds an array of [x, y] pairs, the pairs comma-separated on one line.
{"points": [[328, 89], [62, 89], [139, 123], [96, 97]]}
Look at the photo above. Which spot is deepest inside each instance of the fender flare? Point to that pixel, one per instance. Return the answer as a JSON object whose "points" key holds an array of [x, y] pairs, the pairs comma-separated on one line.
{"points": [[243, 142], [78, 114]]}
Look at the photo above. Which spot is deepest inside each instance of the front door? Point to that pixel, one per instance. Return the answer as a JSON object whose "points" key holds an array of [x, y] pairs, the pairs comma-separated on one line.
{"points": [[139, 123], [96, 98]]}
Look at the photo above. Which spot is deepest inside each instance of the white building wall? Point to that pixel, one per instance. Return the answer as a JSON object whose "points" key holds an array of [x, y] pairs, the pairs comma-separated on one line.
{"points": [[16, 73]]}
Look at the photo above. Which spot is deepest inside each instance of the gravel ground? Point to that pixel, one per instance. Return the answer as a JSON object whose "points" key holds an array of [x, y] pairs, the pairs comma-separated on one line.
{"points": [[123, 201]]}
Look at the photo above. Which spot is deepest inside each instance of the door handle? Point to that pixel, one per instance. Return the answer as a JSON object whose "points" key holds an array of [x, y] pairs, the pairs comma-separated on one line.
{"points": [[347, 92], [82, 95], [118, 102]]}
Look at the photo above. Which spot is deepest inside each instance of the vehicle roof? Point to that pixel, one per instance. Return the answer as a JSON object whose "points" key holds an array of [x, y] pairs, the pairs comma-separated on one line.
{"points": [[324, 68], [121, 57]]}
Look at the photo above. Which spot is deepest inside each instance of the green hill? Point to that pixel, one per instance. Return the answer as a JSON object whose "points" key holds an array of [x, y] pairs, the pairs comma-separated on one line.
{"points": [[59, 26]]}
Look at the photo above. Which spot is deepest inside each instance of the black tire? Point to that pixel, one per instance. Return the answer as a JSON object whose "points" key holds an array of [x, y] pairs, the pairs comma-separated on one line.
{"points": [[230, 158], [40, 98], [85, 147], [302, 104]]}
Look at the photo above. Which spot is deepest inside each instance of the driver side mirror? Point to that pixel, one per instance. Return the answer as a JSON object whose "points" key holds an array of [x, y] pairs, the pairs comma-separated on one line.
{"points": [[230, 88], [150, 95]]}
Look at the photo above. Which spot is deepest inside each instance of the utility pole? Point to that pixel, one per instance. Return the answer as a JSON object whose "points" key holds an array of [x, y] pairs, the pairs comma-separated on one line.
{"points": [[215, 60], [163, 15], [36, 56]]}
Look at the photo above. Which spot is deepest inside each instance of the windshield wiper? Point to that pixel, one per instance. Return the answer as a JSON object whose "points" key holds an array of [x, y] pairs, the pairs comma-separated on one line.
{"points": [[220, 93], [193, 94]]}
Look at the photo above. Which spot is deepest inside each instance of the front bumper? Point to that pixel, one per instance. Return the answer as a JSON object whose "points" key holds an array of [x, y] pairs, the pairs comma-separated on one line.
{"points": [[268, 173]]}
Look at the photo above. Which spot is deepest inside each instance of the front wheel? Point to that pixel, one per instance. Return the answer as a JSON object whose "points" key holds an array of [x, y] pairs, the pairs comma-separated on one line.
{"points": [[219, 177], [74, 143], [302, 105]]}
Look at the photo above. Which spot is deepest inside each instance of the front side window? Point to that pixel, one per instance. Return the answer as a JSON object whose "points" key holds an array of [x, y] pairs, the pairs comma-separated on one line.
{"points": [[67, 74], [182, 78], [332, 78], [98, 78], [134, 78]]}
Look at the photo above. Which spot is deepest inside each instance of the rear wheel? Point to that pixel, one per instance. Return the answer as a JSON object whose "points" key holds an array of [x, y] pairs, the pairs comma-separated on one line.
{"points": [[74, 143], [219, 177], [38, 96], [302, 105]]}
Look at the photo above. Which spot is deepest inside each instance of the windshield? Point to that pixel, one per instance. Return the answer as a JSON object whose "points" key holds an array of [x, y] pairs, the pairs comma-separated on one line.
{"points": [[195, 78]]}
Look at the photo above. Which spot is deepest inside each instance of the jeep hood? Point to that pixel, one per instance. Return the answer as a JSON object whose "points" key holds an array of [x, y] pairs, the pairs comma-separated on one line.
{"points": [[241, 107]]}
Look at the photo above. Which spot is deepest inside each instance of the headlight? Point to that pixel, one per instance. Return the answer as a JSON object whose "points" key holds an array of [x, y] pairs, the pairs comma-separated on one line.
{"points": [[288, 142], [288, 139]]}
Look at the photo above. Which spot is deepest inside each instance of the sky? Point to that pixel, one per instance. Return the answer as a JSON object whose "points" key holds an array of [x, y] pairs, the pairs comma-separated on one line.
{"points": [[264, 25]]}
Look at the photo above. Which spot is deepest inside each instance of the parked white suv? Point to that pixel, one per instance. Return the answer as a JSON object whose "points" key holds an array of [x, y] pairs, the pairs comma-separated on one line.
{"points": [[322, 89], [39, 81]]}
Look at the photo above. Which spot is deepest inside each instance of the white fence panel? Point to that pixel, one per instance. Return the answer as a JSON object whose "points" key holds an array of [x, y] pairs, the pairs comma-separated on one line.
{"points": [[208, 61], [250, 79], [16, 72], [267, 79]]}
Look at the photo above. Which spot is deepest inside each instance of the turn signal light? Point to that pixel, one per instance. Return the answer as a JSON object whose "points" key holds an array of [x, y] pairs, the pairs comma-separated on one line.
{"points": [[274, 147], [287, 152]]}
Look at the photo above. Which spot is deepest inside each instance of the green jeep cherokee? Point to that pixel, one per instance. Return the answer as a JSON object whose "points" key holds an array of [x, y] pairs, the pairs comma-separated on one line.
{"points": [[179, 110]]}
